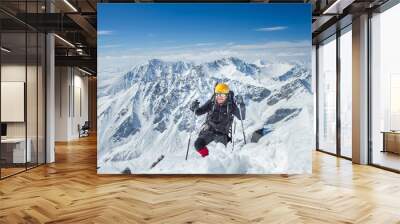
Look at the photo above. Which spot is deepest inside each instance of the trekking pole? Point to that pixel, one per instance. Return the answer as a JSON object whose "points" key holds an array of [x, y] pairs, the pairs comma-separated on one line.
{"points": [[190, 136], [241, 121], [233, 135], [187, 150]]}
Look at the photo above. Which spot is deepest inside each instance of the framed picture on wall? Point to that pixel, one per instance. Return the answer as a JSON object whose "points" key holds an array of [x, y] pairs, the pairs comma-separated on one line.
{"points": [[12, 101], [204, 89]]}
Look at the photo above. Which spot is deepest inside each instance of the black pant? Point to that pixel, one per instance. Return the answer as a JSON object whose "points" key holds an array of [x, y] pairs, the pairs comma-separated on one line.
{"points": [[207, 136]]}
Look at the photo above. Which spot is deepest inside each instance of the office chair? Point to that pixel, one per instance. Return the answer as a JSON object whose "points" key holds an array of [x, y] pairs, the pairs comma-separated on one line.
{"points": [[84, 130]]}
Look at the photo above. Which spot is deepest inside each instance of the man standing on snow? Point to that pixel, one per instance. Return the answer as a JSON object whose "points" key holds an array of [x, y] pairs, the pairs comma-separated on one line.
{"points": [[220, 110]]}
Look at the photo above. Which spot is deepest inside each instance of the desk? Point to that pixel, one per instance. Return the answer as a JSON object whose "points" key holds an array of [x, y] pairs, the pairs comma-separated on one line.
{"points": [[391, 141], [15, 148]]}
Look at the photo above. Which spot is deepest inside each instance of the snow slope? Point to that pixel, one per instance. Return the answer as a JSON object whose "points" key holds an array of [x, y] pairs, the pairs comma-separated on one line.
{"points": [[144, 114]]}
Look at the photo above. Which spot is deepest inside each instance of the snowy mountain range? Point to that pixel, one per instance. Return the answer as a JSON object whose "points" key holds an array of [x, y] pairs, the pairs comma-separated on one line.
{"points": [[144, 114]]}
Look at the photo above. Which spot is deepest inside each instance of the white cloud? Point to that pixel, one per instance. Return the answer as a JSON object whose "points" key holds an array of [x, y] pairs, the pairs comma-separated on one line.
{"points": [[284, 50], [109, 46], [294, 54], [272, 28], [104, 32], [177, 47], [204, 44], [188, 46], [273, 45]]}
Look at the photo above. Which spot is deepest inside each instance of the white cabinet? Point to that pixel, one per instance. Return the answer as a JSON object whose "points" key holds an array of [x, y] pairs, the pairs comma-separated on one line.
{"points": [[18, 149]]}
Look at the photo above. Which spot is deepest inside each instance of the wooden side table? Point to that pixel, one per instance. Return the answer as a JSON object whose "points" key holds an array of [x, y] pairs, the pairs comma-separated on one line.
{"points": [[391, 141]]}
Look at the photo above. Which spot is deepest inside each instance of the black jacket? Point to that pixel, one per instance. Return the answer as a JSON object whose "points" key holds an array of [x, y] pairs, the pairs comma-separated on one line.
{"points": [[220, 117]]}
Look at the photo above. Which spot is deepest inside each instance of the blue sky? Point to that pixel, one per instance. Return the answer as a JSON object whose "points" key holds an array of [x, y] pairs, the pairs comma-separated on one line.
{"points": [[142, 31]]}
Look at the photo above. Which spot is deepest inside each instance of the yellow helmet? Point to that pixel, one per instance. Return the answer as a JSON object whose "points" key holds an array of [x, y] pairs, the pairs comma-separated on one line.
{"points": [[221, 88]]}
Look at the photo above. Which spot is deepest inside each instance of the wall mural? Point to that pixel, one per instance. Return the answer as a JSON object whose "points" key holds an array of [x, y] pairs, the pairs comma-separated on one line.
{"points": [[204, 89]]}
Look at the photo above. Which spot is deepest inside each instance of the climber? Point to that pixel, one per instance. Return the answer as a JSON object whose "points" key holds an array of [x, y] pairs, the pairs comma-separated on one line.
{"points": [[220, 110]]}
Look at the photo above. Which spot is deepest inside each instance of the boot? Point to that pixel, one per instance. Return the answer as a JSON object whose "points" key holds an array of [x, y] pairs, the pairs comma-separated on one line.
{"points": [[203, 151]]}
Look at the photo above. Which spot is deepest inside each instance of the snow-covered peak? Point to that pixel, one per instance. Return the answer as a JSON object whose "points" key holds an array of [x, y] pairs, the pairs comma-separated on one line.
{"points": [[297, 71], [144, 112], [155, 62], [238, 64], [260, 62]]}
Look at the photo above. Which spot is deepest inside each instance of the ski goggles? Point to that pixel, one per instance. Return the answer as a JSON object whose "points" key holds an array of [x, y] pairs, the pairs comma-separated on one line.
{"points": [[221, 94]]}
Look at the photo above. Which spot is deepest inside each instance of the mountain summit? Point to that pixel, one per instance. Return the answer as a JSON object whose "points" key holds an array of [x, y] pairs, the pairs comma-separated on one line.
{"points": [[145, 112]]}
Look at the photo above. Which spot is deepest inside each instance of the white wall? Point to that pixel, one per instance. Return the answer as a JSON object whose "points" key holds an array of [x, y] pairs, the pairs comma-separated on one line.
{"points": [[33, 126], [81, 82], [16, 73], [70, 83], [61, 103]]}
